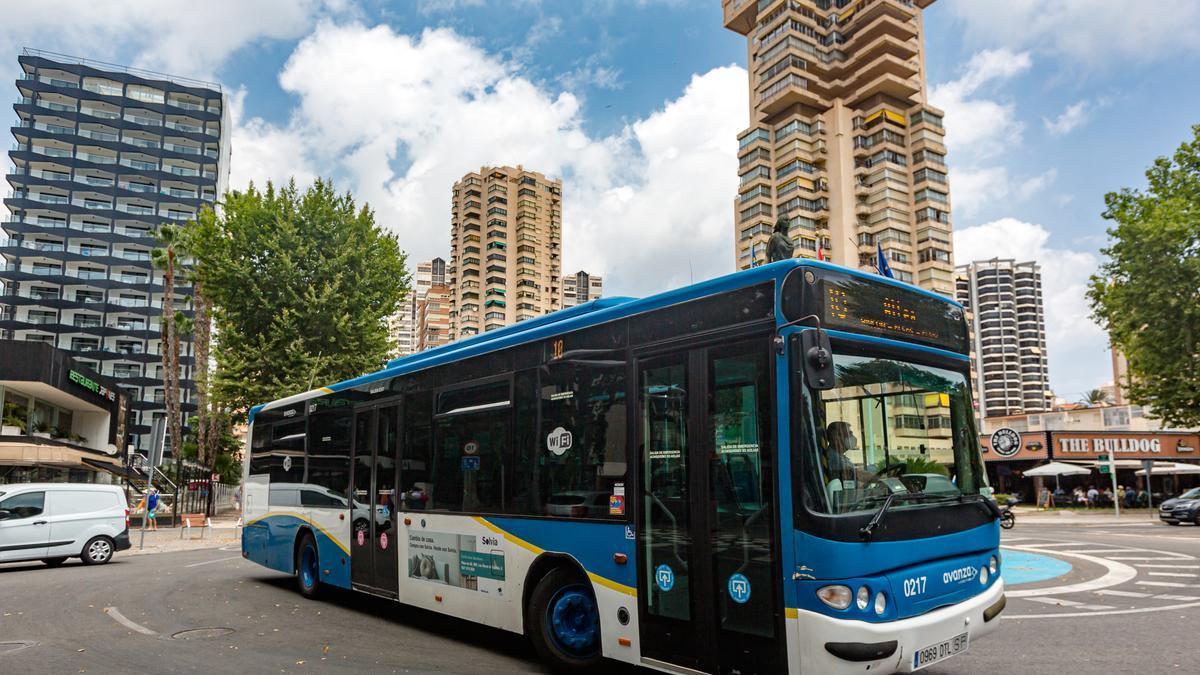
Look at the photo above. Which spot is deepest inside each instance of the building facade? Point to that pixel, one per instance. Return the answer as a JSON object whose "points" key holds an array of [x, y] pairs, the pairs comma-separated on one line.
{"points": [[433, 317], [842, 139], [403, 324], [505, 249], [60, 421], [1003, 299], [103, 156], [581, 287]]}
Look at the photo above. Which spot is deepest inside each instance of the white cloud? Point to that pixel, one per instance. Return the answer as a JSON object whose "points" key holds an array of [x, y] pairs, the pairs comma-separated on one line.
{"points": [[1076, 347], [399, 118], [180, 37], [976, 187], [1088, 32], [1030, 187], [977, 127], [1070, 119]]}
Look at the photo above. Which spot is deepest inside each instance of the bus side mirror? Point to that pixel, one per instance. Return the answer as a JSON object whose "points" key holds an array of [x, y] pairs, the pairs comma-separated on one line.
{"points": [[817, 357]]}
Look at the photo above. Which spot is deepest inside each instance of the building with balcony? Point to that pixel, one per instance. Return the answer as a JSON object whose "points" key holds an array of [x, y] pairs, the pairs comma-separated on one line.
{"points": [[842, 139], [505, 249], [433, 317], [1003, 300], [102, 156], [405, 322], [581, 287]]}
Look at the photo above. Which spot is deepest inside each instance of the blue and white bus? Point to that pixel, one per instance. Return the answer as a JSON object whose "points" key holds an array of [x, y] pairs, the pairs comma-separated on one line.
{"points": [[773, 471]]}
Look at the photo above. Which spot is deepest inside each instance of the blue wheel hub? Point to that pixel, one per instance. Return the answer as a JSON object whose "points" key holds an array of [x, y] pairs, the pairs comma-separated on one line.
{"points": [[573, 621], [308, 566]]}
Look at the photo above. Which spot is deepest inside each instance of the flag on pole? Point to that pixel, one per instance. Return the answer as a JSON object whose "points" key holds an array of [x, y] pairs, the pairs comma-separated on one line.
{"points": [[884, 268]]}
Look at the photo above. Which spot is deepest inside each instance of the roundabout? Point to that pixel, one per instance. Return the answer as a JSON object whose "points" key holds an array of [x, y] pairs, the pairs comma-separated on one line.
{"points": [[1023, 567]]}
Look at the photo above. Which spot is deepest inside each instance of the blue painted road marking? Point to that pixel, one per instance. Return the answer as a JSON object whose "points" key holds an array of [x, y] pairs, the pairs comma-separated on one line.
{"points": [[1019, 567]]}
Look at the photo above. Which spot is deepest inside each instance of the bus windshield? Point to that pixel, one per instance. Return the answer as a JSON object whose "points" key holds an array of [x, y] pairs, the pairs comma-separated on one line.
{"points": [[887, 427]]}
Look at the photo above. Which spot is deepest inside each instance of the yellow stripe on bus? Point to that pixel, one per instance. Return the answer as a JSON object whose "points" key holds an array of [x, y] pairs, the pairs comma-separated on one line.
{"points": [[791, 612], [304, 518], [607, 583]]}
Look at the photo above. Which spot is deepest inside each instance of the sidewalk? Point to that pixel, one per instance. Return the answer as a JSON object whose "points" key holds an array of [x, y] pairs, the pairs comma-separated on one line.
{"points": [[223, 533], [1086, 517]]}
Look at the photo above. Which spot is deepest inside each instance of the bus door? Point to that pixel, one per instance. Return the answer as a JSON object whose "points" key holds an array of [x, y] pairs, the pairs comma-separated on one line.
{"points": [[374, 566], [708, 573]]}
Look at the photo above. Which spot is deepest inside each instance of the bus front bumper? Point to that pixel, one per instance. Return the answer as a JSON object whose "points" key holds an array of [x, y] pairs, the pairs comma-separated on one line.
{"points": [[831, 645]]}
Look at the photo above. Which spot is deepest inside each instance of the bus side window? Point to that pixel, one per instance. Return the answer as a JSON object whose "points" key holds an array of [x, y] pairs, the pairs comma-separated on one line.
{"points": [[329, 426], [416, 487], [581, 447]]}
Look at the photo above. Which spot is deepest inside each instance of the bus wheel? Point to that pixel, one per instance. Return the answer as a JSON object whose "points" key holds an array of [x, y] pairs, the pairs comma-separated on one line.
{"points": [[564, 622], [308, 566]]}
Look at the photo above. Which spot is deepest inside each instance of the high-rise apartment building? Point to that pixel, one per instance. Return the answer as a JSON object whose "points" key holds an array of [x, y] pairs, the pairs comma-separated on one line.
{"points": [[404, 323], [842, 139], [103, 156], [581, 287], [433, 317], [505, 248], [1003, 299]]}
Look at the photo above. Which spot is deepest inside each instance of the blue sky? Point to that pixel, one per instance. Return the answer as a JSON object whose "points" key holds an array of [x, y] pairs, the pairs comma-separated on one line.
{"points": [[636, 105]]}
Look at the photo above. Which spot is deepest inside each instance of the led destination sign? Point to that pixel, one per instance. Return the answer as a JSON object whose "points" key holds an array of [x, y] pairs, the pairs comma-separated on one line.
{"points": [[883, 310]]}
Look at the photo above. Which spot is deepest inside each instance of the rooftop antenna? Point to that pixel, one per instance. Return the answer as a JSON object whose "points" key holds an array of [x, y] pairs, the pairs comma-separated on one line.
{"points": [[691, 277]]}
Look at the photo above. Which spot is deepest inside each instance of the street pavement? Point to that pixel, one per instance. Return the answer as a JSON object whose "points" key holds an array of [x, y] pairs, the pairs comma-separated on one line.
{"points": [[1130, 603]]}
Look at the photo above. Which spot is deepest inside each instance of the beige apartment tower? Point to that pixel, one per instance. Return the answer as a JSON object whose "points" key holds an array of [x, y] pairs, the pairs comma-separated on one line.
{"points": [[505, 249], [842, 140]]}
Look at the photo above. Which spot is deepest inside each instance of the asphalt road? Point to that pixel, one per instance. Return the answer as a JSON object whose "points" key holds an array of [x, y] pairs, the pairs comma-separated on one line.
{"points": [[248, 619]]}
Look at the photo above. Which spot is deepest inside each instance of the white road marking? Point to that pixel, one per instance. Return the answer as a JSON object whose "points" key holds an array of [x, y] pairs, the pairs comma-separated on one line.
{"points": [[1176, 597], [1174, 567], [1058, 543], [1171, 584], [1143, 557], [1172, 574], [209, 562], [1066, 615], [1069, 603], [1118, 573], [120, 618], [1124, 594]]}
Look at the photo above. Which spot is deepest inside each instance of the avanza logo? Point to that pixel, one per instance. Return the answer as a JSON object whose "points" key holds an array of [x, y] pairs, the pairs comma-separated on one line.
{"points": [[959, 575]]}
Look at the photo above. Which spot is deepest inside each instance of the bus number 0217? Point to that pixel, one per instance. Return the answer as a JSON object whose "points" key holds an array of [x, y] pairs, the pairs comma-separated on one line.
{"points": [[914, 586]]}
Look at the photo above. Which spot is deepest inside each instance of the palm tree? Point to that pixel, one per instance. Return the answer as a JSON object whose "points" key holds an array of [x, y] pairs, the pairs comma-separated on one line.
{"points": [[167, 258], [1095, 398]]}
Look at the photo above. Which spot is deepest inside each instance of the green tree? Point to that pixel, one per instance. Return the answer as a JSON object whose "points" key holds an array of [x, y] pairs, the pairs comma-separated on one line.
{"points": [[1095, 397], [301, 285], [1147, 291]]}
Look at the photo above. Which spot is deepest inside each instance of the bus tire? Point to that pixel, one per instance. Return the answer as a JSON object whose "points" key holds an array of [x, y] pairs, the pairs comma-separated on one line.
{"points": [[308, 567], [563, 621]]}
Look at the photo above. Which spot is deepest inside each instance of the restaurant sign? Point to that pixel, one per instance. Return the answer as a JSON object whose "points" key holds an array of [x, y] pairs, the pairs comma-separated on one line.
{"points": [[91, 385]]}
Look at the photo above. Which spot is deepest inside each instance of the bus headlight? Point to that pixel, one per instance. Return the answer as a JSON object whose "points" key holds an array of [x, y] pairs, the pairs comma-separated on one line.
{"points": [[863, 598], [983, 575], [993, 565], [880, 603], [837, 597]]}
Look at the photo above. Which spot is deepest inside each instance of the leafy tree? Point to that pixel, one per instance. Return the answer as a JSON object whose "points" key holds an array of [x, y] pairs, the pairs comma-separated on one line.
{"points": [[924, 465], [301, 285], [1147, 292], [1095, 397]]}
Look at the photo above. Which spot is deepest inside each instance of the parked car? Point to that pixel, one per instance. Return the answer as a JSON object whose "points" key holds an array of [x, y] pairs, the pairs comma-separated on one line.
{"points": [[930, 484], [1182, 509], [55, 521]]}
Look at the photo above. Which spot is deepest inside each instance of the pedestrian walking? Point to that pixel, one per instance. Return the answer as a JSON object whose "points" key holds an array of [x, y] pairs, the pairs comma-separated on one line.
{"points": [[150, 502], [1093, 497]]}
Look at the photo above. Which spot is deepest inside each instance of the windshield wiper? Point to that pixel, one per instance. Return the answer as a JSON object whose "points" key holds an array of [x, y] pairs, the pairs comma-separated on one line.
{"points": [[866, 531], [991, 505]]}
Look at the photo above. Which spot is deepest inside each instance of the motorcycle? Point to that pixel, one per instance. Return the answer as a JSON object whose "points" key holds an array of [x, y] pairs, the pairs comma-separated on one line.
{"points": [[1007, 519]]}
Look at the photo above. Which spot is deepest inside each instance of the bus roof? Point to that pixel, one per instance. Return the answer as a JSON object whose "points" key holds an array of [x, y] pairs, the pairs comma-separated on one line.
{"points": [[590, 313]]}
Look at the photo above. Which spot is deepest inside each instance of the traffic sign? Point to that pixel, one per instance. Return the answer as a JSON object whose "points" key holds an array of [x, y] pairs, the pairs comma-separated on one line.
{"points": [[1104, 468]]}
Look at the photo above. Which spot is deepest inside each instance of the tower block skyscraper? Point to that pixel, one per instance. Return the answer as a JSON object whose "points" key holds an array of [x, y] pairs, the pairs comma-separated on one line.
{"points": [[842, 140]]}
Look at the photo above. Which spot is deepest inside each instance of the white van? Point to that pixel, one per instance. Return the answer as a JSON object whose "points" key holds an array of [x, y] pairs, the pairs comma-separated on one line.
{"points": [[55, 521]]}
